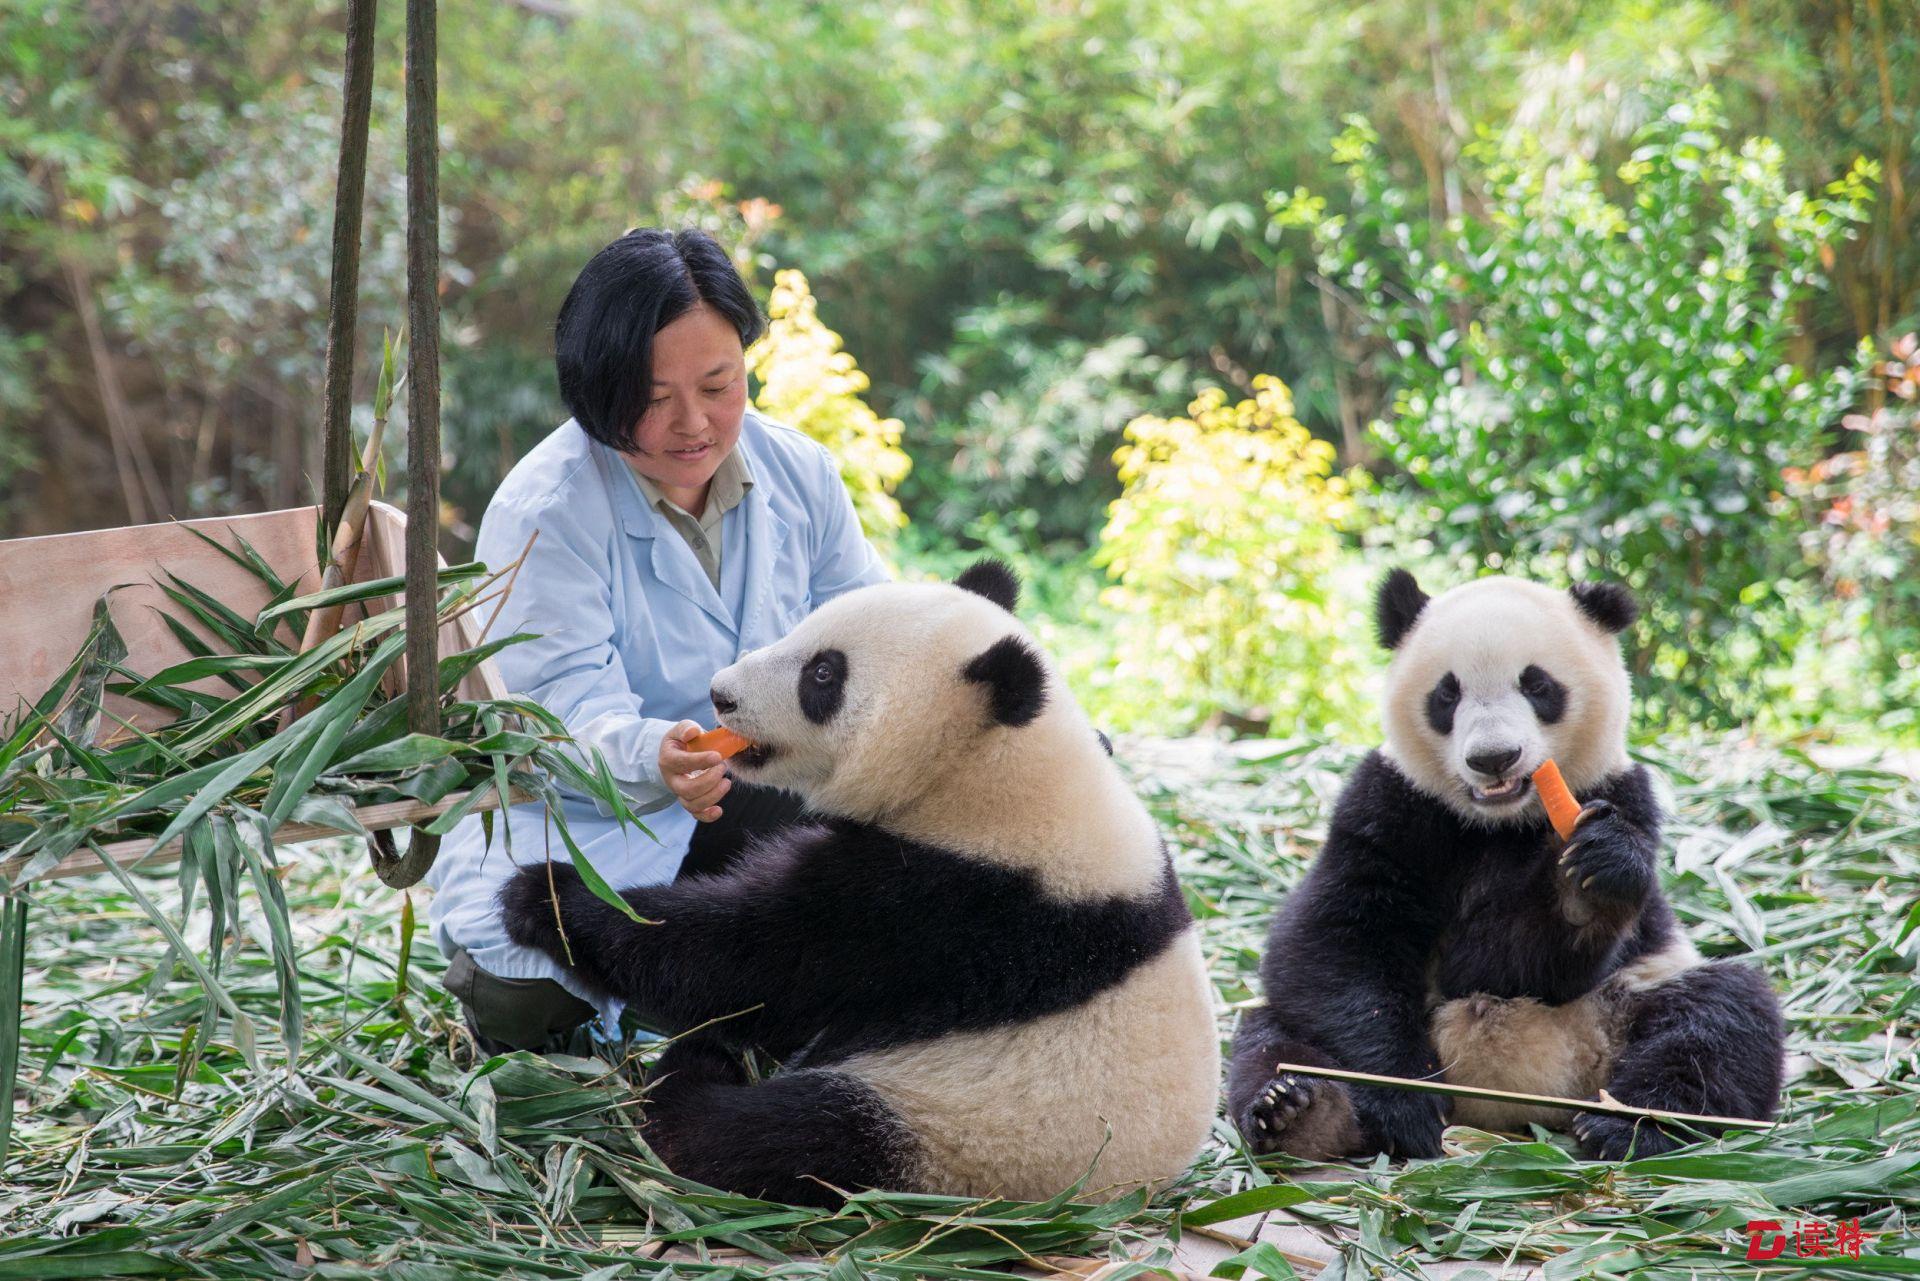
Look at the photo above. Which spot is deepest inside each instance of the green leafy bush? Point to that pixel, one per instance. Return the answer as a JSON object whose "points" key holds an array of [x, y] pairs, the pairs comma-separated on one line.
{"points": [[1224, 546], [807, 381], [1861, 530], [1597, 377]]}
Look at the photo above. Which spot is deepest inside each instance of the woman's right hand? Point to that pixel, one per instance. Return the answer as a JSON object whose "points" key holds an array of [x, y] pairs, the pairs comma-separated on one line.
{"points": [[697, 779]]}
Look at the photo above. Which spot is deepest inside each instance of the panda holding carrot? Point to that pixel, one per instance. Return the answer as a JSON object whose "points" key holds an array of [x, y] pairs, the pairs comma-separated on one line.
{"points": [[1446, 931]]}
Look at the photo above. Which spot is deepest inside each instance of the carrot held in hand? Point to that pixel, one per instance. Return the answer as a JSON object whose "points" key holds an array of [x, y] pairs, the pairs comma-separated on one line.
{"points": [[1562, 810], [721, 740]]}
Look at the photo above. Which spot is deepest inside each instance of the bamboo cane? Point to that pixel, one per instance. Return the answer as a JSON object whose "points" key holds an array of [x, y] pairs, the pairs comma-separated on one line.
{"points": [[343, 556], [1605, 1103]]}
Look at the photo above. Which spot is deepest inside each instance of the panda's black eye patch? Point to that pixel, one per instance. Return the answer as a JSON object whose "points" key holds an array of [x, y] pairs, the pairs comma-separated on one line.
{"points": [[1442, 699], [1548, 696], [823, 685]]}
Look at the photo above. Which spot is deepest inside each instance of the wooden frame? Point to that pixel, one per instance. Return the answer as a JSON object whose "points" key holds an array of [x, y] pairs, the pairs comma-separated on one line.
{"points": [[50, 585]]}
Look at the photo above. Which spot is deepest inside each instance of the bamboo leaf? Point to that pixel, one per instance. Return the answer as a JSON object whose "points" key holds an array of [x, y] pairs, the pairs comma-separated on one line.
{"points": [[409, 752], [103, 649], [324, 729], [350, 593]]}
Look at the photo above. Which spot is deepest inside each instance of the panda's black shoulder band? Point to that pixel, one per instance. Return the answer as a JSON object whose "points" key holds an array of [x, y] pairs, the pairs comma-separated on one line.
{"points": [[1015, 679]]}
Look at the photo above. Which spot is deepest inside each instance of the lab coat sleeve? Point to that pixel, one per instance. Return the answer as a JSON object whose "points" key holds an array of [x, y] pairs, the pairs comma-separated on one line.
{"points": [[563, 595], [843, 559]]}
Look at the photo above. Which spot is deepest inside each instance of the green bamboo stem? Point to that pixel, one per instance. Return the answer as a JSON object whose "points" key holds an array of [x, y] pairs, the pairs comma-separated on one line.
{"points": [[13, 965], [1605, 1103]]}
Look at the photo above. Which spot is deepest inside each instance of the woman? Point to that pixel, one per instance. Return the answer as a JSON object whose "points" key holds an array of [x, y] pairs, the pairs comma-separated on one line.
{"points": [[671, 531]]}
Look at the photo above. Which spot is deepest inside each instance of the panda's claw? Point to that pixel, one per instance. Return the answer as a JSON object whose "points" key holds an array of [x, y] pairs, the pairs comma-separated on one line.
{"points": [[1274, 1111], [1606, 860]]}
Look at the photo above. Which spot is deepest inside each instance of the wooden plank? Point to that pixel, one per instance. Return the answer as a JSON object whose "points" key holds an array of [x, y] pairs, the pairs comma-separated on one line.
{"points": [[49, 585], [382, 817]]}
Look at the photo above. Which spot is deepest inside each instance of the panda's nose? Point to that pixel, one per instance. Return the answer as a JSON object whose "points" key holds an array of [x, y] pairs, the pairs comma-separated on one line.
{"points": [[722, 704], [1494, 764]]}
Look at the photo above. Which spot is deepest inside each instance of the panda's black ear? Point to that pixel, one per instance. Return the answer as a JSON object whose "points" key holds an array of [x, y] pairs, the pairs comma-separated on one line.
{"points": [[993, 579], [1396, 607], [1016, 680], [1608, 604]]}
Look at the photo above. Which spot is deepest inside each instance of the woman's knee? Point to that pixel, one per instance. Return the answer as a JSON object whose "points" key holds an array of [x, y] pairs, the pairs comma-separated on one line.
{"points": [[512, 1014]]}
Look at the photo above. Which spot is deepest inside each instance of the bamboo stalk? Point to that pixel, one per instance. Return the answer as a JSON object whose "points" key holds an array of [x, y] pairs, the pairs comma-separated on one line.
{"points": [[343, 556], [397, 870], [1606, 1102], [13, 960], [343, 300]]}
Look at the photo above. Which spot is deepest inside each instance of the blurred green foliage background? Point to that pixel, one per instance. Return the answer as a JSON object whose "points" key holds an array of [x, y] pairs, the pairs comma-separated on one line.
{"points": [[1564, 288]]}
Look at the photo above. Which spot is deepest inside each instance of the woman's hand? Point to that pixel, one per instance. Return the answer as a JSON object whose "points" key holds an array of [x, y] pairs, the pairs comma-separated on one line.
{"points": [[698, 779]]}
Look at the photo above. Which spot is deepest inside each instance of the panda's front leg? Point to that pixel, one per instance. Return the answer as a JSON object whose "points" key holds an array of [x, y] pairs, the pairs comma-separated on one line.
{"points": [[708, 952], [1606, 871]]}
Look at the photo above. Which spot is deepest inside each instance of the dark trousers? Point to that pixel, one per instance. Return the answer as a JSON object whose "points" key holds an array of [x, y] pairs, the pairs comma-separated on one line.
{"points": [[538, 1014]]}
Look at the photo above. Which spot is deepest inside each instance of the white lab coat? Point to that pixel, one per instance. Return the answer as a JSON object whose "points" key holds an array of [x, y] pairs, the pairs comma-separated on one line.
{"points": [[631, 632]]}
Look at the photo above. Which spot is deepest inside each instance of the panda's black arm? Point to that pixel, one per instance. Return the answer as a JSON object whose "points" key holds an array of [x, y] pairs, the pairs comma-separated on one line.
{"points": [[1346, 964], [1566, 911], [718, 946]]}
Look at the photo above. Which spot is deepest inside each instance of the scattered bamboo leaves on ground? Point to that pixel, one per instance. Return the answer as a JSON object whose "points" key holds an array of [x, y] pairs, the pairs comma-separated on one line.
{"points": [[150, 1145]]}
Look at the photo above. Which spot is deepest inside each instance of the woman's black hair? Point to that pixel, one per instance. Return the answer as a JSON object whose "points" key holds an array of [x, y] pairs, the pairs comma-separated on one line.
{"points": [[629, 291]]}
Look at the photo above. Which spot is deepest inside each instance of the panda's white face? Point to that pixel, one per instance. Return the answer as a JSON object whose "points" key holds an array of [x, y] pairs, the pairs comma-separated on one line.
{"points": [[868, 701], [1492, 679]]}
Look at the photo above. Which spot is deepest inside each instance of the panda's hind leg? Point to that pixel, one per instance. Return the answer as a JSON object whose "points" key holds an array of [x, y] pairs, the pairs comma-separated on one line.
{"points": [[803, 1137], [1303, 1116], [1709, 1040]]}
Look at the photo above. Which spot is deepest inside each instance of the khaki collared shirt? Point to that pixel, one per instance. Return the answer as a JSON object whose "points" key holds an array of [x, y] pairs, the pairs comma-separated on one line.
{"points": [[731, 481]]}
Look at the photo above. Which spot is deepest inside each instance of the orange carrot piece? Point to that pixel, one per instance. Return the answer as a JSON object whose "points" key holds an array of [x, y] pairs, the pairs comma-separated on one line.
{"points": [[721, 740], [1562, 810]]}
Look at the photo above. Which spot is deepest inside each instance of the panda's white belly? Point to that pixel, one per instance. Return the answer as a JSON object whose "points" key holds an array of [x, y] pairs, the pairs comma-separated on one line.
{"points": [[1129, 1077], [1522, 1045]]}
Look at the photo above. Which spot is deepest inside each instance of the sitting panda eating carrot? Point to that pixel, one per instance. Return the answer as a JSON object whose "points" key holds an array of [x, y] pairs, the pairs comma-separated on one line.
{"points": [[1445, 931], [976, 969]]}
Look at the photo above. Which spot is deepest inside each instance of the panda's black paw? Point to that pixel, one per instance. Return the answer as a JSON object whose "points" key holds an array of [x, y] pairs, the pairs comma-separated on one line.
{"points": [[527, 904], [1267, 1119], [1607, 857], [1618, 1138], [1401, 1123]]}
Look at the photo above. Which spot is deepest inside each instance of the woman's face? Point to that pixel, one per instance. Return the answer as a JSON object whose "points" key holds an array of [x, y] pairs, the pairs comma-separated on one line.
{"points": [[699, 397]]}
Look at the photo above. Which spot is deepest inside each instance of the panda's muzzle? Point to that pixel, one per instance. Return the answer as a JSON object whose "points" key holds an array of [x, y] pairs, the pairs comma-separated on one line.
{"points": [[755, 756], [755, 753], [1505, 792]]}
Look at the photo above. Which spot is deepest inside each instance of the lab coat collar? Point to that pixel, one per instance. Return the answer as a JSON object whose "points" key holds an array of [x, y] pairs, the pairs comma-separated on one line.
{"points": [[674, 564]]}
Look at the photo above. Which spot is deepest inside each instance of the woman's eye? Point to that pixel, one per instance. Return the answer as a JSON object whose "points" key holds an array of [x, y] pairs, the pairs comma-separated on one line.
{"points": [[658, 400], [715, 391]]}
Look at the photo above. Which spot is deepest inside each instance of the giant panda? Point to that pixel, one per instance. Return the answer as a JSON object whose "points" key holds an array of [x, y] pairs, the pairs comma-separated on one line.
{"points": [[977, 969], [1444, 931]]}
